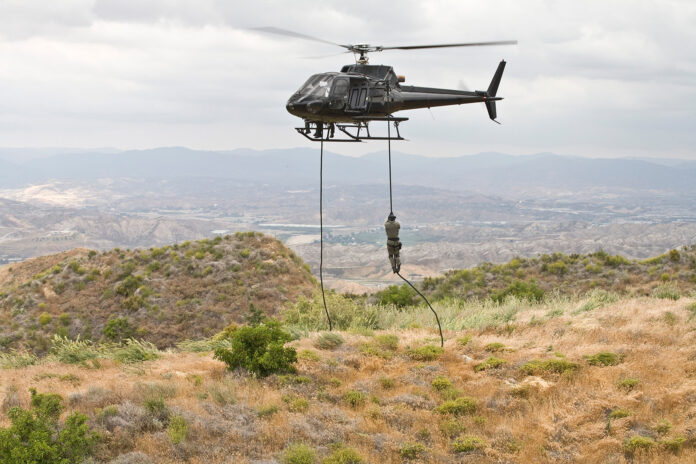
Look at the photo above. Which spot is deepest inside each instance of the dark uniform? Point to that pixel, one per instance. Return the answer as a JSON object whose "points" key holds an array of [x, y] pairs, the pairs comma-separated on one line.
{"points": [[392, 227]]}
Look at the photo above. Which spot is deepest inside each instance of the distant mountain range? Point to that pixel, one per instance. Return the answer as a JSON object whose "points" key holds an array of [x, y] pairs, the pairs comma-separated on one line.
{"points": [[489, 173]]}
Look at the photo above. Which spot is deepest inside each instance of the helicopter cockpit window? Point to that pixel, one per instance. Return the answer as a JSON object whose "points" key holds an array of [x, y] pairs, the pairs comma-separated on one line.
{"points": [[318, 85]]}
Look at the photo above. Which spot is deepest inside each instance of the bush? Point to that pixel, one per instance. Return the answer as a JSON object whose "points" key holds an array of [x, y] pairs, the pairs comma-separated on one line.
{"points": [[441, 383], [412, 450], [386, 383], [36, 437], [425, 353], [628, 383], [308, 314], [343, 455], [73, 351], [619, 413], [638, 443], [354, 398], [328, 341], [15, 360], [467, 444], [673, 444], [129, 285], [45, 318], [134, 351], [299, 453], [397, 295], [387, 342], [118, 329], [494, 347], [260, 350], [177, 429], [519, 289], [490, 363], [460, 406], [556, 366], [667, 292], [604, 358]]}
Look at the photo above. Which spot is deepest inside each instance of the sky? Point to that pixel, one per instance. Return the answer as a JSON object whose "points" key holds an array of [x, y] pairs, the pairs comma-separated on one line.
{"points": [[599, 78]]}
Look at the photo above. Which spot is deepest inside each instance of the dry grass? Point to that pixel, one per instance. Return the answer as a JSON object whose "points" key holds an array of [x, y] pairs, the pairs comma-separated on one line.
{"points": [[542, 418]]}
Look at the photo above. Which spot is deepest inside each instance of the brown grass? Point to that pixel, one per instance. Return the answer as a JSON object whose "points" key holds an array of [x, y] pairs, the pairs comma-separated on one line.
{"points": [[524, 419]]}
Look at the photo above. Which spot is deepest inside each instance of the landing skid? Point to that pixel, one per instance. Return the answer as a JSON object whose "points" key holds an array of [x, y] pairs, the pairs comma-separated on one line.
{"points": [[357, 131]]}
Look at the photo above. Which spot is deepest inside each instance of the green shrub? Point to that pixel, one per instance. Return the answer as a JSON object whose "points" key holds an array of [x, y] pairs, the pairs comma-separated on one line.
{"points": [[557, 268], [411, 450], [619, 413], [260, 350], [386, 383], [308, 355], [668, 292], [451, 427], [603, 358], [118, 329], [129, 285], [597, 299], [628, 383], [519, 289], [467, 444], [134, 351], [441, 383], [465, 340], [556, 366], [494, 347], [35, 436], [490, 363], [328, 341], [354, 398], [16, 359], [387, 342], [674, 256], [267, 410], [397, 295], [343, 455], [45, 318], [673, 444], [638, 443], [346, 313], [73, 351], [299, 453], [177, 429], [298, 405], [663, 427], [425, 353], [461, 406]]}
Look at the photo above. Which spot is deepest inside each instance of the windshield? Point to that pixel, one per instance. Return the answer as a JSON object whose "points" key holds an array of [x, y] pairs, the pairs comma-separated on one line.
{"points": [[318, 85]]}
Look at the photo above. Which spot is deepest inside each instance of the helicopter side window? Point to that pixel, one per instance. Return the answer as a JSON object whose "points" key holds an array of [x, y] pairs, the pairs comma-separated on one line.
{"points": [[318, 85], [340, 88]]}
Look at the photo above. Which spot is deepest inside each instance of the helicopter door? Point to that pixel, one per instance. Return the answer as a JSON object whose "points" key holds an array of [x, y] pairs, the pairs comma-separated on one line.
{"points": [[357, 97], [339, 94]]}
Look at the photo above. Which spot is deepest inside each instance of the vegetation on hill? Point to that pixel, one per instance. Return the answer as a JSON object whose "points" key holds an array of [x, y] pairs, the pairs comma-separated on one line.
{"points": [[162, 295], [613, 382], [532, 278]]}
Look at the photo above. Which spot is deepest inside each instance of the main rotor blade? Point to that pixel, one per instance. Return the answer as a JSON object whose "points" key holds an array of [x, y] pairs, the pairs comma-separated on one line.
{"points": [[279, 31], [467, 44]]}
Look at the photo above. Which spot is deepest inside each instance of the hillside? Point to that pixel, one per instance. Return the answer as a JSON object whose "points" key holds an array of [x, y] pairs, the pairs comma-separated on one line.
{"points": [[671, 273], [163, 295], [545, 384]]}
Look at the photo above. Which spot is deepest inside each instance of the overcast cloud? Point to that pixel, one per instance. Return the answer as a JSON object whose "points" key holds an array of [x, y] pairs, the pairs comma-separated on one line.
{"points": [[592, 78]]}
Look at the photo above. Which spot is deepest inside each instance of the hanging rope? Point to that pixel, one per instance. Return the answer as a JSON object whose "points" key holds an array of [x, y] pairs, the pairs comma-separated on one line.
{"points": [[391, 209], [321, 226]]}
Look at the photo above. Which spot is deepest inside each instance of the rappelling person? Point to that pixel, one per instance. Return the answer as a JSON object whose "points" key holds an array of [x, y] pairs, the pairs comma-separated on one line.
{"points": [[392, 227]]}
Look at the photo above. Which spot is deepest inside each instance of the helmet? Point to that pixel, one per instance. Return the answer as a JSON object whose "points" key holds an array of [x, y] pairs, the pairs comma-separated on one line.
{"points": [[391, 216]]}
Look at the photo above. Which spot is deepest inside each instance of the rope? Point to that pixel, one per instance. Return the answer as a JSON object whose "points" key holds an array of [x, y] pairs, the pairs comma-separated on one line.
{"points": [[442, 340], [391, 209], [321, 227]]}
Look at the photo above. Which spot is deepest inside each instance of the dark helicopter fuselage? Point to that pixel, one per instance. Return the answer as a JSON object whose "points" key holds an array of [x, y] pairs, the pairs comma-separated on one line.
{"points": [[363, 91]]}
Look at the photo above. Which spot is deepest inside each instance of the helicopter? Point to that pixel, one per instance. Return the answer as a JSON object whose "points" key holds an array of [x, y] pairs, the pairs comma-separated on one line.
{"points": [[360, 93]]}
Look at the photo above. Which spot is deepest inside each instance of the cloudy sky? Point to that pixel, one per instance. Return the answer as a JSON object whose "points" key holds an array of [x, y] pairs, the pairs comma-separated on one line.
{"points": [[591, 78]]}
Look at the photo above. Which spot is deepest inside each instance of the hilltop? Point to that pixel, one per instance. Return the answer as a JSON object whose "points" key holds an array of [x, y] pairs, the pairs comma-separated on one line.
{"points": [[162, 295], [665, 275]]}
